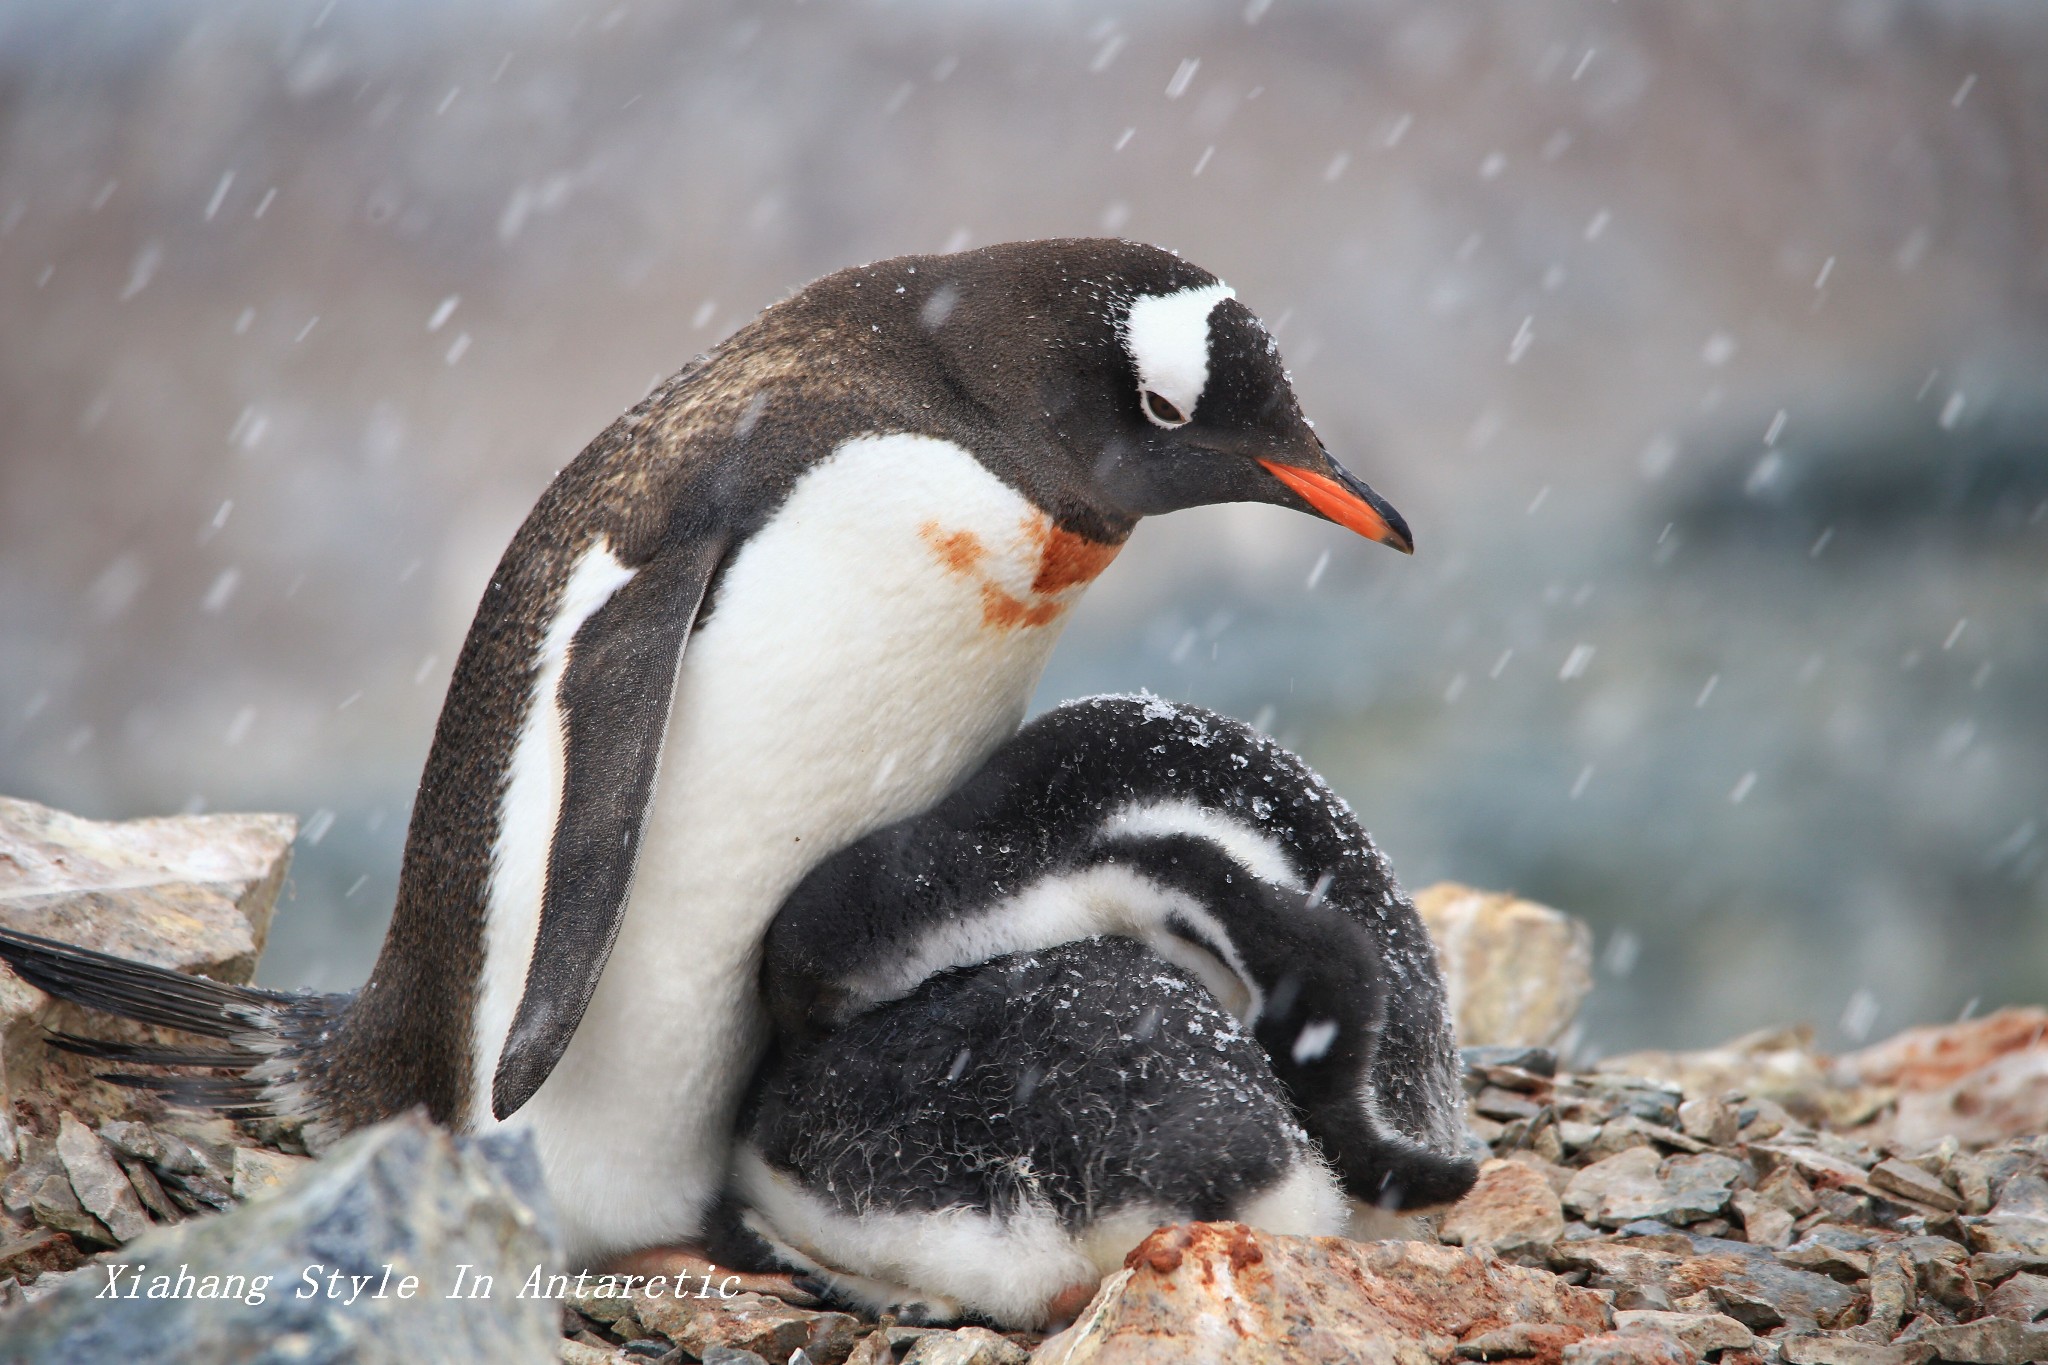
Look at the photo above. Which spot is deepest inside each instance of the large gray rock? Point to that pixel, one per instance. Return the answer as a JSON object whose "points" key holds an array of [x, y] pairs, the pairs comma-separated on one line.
{"points": [[403, 1195], [193, 893]]}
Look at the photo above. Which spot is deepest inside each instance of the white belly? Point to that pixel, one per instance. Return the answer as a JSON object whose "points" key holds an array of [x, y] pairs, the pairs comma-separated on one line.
{"points": [[867, 649]]}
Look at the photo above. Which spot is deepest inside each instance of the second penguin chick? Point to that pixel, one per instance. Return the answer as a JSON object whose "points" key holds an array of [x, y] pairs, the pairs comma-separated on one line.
{"points": [[997, 1140], [1197, 836]]}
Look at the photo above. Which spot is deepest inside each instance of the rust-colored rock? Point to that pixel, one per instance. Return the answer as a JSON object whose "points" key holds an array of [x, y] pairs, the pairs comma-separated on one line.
{"points": [[1227, 1293], [1512, 1208], [1934, 1056], [766, 1326]]}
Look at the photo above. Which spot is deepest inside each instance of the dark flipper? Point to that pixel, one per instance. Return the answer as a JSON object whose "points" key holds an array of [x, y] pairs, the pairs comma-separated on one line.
{"points": [[615, 695]]}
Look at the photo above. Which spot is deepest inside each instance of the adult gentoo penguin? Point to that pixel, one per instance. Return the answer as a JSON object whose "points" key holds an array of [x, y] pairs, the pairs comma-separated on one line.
{"points": [[796, 593], [1194, 834]]}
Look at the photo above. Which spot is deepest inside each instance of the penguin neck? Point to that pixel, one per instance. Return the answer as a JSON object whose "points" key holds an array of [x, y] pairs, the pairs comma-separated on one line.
{"points": [[868, 648]]}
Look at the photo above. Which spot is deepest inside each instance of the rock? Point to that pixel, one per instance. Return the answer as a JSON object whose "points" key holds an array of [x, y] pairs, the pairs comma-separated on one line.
{"points": [[1890, 1291], [2018, 1222], [750, 1322], [1223, 1292], [1535, 1061], [1987, 1341], [1748, 1284], [1703, 1333], [1630, 1174], [1709, 1121], [966, 1346], [1821, 1170], [2023, 1298], [1777, 1064], [1504, 1105], [102, 1186], [726, 1355], [149, 1190], [1828, 1348], [1516, 971], [1825, 1251], [193, 893], [1518, 1341], [873, 1349], [137, 1140], [1634, 1274], [1905, 1179], [1652, 1100], [1512, 1208], [1941, 1273], [1934, 1057], [1630, 1348], [1558, 1177], [1980, 1081], [1612, 1139], [1690, 1188], [1981, 1177], [1635, 1184], [19, 1188], [259, 1172], [1762, 1225], [1574, 1136], [403, 1194], [571, 1352], [663, 1315], [54, 1204], [2012, 1234]]}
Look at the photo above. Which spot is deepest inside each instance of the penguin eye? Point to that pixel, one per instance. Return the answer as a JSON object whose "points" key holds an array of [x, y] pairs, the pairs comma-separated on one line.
{"points": [[1162, 411]]}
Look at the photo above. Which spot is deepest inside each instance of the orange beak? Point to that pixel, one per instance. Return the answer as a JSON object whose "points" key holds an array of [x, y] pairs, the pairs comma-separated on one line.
{"points": [[1347, 501]]}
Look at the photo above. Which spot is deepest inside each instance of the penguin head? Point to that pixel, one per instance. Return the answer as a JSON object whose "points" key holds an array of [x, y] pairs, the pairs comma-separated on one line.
{"points": [[1157, 388]]}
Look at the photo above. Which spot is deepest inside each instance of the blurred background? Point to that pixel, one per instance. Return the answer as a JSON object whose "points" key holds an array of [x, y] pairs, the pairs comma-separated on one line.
{"points": [[1705, 346]]}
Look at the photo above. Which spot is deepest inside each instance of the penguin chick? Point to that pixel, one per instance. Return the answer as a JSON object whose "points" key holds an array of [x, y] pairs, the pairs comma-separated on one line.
{"points": [[799, 591], [997, 1140], [1199, 837]]}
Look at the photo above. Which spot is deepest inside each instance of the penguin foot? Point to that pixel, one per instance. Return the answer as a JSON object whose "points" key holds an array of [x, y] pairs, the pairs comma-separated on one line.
{"points": [[688, 1262], [880, 1298]]}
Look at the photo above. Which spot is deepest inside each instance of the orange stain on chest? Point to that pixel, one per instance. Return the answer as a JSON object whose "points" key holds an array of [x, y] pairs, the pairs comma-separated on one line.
{"points": [[1064, 561]]}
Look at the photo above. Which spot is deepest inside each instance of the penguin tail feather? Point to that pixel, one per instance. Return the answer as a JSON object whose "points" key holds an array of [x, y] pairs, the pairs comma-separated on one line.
{"points": [[1384, 1167], [1415, 1179], [260, 1031]]}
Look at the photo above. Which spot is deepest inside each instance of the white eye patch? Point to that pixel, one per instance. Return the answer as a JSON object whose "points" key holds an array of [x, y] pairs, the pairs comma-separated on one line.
{"points": [[1167, 336]]}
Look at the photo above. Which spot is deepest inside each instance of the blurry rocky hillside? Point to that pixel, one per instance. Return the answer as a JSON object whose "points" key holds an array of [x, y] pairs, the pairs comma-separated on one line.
{"points": [[1701, 343]]}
